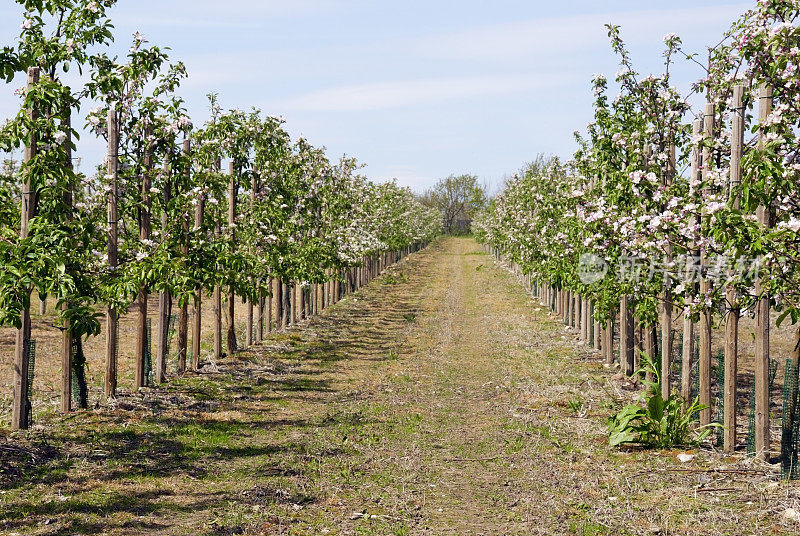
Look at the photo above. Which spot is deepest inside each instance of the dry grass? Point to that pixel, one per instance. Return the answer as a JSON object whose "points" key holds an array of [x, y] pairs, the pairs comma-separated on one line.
{"points": [[442, 401], [47, 377]]}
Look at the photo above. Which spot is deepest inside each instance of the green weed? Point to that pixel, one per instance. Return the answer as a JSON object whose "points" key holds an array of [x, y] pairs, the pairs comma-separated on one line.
{"points": [[657, 423]]}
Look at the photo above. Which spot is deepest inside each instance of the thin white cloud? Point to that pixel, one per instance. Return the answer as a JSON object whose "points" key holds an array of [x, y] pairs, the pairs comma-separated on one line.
{"points": [[398, 94], [234, 13], [561, 36]]}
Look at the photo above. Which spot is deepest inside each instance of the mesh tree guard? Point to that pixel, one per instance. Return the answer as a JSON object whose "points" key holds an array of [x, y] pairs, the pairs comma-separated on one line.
{"points": [[696, 382], [170, 336], [80, 391], [31, 350], [720, 397], [679, 357], [148, 354], [751, 423], [789, 423]]}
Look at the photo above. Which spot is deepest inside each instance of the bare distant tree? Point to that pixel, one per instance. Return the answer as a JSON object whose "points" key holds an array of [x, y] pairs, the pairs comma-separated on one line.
{"points": [[458, 198]]}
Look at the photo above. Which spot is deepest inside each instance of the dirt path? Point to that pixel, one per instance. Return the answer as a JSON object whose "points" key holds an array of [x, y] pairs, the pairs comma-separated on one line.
{"points": [[440, 400]]}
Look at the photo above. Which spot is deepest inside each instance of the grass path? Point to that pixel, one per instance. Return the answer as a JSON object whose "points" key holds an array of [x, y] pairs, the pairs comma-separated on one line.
{"points": [[440, 400]]}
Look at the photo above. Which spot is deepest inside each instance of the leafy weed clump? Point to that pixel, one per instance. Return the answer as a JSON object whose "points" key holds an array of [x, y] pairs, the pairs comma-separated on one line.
{"points": [[656, 423]]}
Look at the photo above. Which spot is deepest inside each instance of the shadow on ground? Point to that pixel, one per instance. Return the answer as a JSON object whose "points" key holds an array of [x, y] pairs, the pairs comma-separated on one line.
{"points": [[209, 444]]}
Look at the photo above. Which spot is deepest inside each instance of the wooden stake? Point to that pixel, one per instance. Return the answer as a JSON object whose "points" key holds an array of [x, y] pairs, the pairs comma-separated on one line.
{"points": [[649, 348], [585, 328], [183, 317], [732, 312], [197, 320], [20, 409], [626, 342], [278, 299], [687, 352], [111, 313], [762, 316], [67, 335], [232, 194], [286, 306], [140, 380], [251, 328], [666, 297], [216, 301], [608, 342], [270, 299], [164, 297], [259, 335], [704, 367], [294, 316]]}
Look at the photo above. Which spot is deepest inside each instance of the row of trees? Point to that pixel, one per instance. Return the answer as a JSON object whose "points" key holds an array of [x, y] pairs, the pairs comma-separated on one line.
{"points": [[658, 216], [163, 215]]}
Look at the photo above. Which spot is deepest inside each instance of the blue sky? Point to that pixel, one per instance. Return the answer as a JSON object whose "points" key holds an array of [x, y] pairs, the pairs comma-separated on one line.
{"points": [[416, 90]]}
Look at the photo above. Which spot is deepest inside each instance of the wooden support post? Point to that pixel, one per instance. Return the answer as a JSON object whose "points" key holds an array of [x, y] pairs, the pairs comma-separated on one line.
{"points": [[183, 316], [248, 336], [638, 343], [732, 309], [687, 356], [251, 335], [608, 341], [20, 410], [650, 348], [336, 290], [231, 305], [762, 315], [276, 303], [268, 305], [585, 326], [145, 213], [281, 312], [596, 327], [286, 306], [560, 302], [259, 334], [687, 351], [112, 328], [216, 300], [164, 297], [665, 311], [293, 303], [704, 367], [626, 342], [568, 308], [67, 335], [197, 319]]}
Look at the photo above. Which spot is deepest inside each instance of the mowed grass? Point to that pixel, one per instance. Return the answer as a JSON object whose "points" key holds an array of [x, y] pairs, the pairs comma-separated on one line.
{"points": [[438, 400]]}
